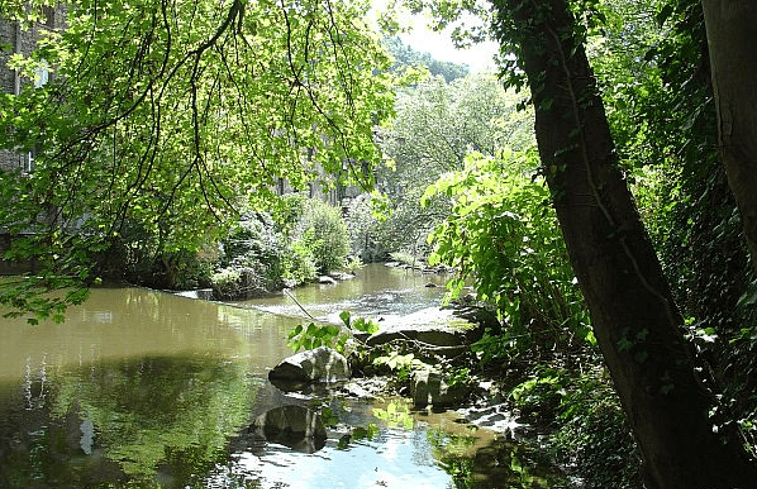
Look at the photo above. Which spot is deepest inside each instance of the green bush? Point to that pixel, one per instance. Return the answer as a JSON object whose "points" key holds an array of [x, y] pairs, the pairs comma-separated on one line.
{"points": [[298, 263], [290, 212], [364, 230], [502, 234], [329, 242], [260, 254], [226, 283]]}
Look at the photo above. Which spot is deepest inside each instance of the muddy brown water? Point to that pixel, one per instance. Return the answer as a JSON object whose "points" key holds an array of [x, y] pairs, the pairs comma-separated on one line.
{"points": [[142, 388]]}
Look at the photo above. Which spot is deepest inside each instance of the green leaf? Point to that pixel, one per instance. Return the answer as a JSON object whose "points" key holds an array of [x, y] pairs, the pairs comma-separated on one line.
{"points": [[345, 317]]}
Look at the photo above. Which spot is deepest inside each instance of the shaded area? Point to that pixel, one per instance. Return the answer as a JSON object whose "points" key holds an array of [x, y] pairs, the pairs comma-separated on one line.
{"points": [[296, 427], [156, 420]]}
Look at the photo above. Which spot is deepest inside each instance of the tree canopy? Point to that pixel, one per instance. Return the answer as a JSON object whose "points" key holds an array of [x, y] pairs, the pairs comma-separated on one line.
{"points": [[169, 116]]}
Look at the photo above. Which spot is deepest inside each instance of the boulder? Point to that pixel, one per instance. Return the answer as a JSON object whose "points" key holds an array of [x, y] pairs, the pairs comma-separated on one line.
{"points": [[429, 388], [342, 276], [322, 364], [429, 336], [326, 280]]}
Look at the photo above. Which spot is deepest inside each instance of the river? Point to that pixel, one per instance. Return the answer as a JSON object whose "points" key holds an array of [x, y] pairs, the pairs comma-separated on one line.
{"points": [[142, 388]]}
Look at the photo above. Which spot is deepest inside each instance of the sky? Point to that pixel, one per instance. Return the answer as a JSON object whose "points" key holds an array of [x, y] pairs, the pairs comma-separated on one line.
{"points": [[439, 44]]}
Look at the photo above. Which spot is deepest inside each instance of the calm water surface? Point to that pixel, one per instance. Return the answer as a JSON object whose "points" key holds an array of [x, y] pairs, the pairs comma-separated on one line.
{"points": [[141, 388]]}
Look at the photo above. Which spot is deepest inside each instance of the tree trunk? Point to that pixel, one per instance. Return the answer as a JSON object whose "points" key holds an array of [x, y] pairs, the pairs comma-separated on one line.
{"points": [[635, 319], [732, 38]]}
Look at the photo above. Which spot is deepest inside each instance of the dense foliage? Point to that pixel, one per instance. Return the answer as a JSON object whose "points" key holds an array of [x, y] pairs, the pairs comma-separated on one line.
{"points": [[436, 124], [261, 255], [505, 241], [405, 56], [199, 110]]}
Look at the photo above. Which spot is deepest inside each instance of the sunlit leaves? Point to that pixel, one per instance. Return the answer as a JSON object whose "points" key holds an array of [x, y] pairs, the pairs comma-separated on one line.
{"points": [[503, 236], [169, 116]]}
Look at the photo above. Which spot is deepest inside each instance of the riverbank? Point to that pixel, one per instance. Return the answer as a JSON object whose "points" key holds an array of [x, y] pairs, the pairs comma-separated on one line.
{"points": [[535, 395]]}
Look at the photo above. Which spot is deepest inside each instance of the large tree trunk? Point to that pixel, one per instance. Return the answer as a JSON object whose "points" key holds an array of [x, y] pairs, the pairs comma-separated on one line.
{"points": [[732, 38], [635, 318]]}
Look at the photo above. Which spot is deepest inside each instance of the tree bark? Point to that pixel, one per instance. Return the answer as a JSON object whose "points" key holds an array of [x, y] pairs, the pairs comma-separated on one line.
{"points": [[732, 39], [635, 318]]}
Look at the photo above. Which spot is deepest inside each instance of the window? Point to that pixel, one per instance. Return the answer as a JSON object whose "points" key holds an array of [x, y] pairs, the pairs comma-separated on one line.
{"points": [[41, 74], [27, 162]]}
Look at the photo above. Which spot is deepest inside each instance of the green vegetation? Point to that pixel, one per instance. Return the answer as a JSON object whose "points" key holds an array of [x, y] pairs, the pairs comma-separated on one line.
{"points": [[313, 336], [199, 112], [182, 139], [502, 238], [436, 124], [261, 255]]}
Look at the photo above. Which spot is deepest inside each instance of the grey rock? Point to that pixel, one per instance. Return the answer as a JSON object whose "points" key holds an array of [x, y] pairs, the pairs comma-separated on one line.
{"points": [[433, 337], [318, 365], [326, 280], [428, 388], [341, 276]]}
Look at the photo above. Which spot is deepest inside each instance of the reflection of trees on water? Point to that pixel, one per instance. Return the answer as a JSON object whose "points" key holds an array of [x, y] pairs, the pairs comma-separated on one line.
{"points": [[35, 383], [158, 420], [499, 462]]}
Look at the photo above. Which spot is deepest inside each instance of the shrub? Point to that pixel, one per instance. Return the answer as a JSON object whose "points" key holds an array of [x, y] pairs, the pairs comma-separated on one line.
{"points": [[225, 283], [503, 236], [364, 228], [330, 241], [298, 263]]}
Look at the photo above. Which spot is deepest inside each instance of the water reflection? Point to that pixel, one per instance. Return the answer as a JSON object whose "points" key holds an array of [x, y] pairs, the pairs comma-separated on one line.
{"points": [[154, 420], [142, 389], [296, 427]]}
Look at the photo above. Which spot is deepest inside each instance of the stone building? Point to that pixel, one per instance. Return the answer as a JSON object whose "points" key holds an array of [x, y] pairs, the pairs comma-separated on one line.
{"points": [[14, 40]]}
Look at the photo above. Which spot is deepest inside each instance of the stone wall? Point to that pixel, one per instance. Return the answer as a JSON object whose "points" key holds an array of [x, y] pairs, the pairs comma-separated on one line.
{"points": [[21, 41]]}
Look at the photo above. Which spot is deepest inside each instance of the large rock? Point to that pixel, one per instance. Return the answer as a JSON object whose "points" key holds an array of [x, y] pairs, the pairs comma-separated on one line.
{"points": [[319, 365], [429, 336], [429, 388]]}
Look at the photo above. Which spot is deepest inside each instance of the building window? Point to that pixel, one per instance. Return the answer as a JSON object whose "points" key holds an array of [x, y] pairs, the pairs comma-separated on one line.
{"points": [[49, 13], [27, 161]]}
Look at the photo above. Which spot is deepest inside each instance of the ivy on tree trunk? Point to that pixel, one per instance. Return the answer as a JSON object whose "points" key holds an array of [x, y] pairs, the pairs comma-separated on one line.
{"points": [[635, 318], [733, 58]]}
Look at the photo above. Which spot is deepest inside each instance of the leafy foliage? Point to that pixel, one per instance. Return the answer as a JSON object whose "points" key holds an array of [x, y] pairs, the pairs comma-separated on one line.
{"points": [[437, 124], [594, 437], [264, 255], [321, 226], [314, 336], [405, 56], [168, 111], [504, 239]]}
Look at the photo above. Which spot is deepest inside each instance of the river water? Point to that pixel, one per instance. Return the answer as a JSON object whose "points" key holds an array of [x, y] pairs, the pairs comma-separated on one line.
{"points": [[141, 388]]}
